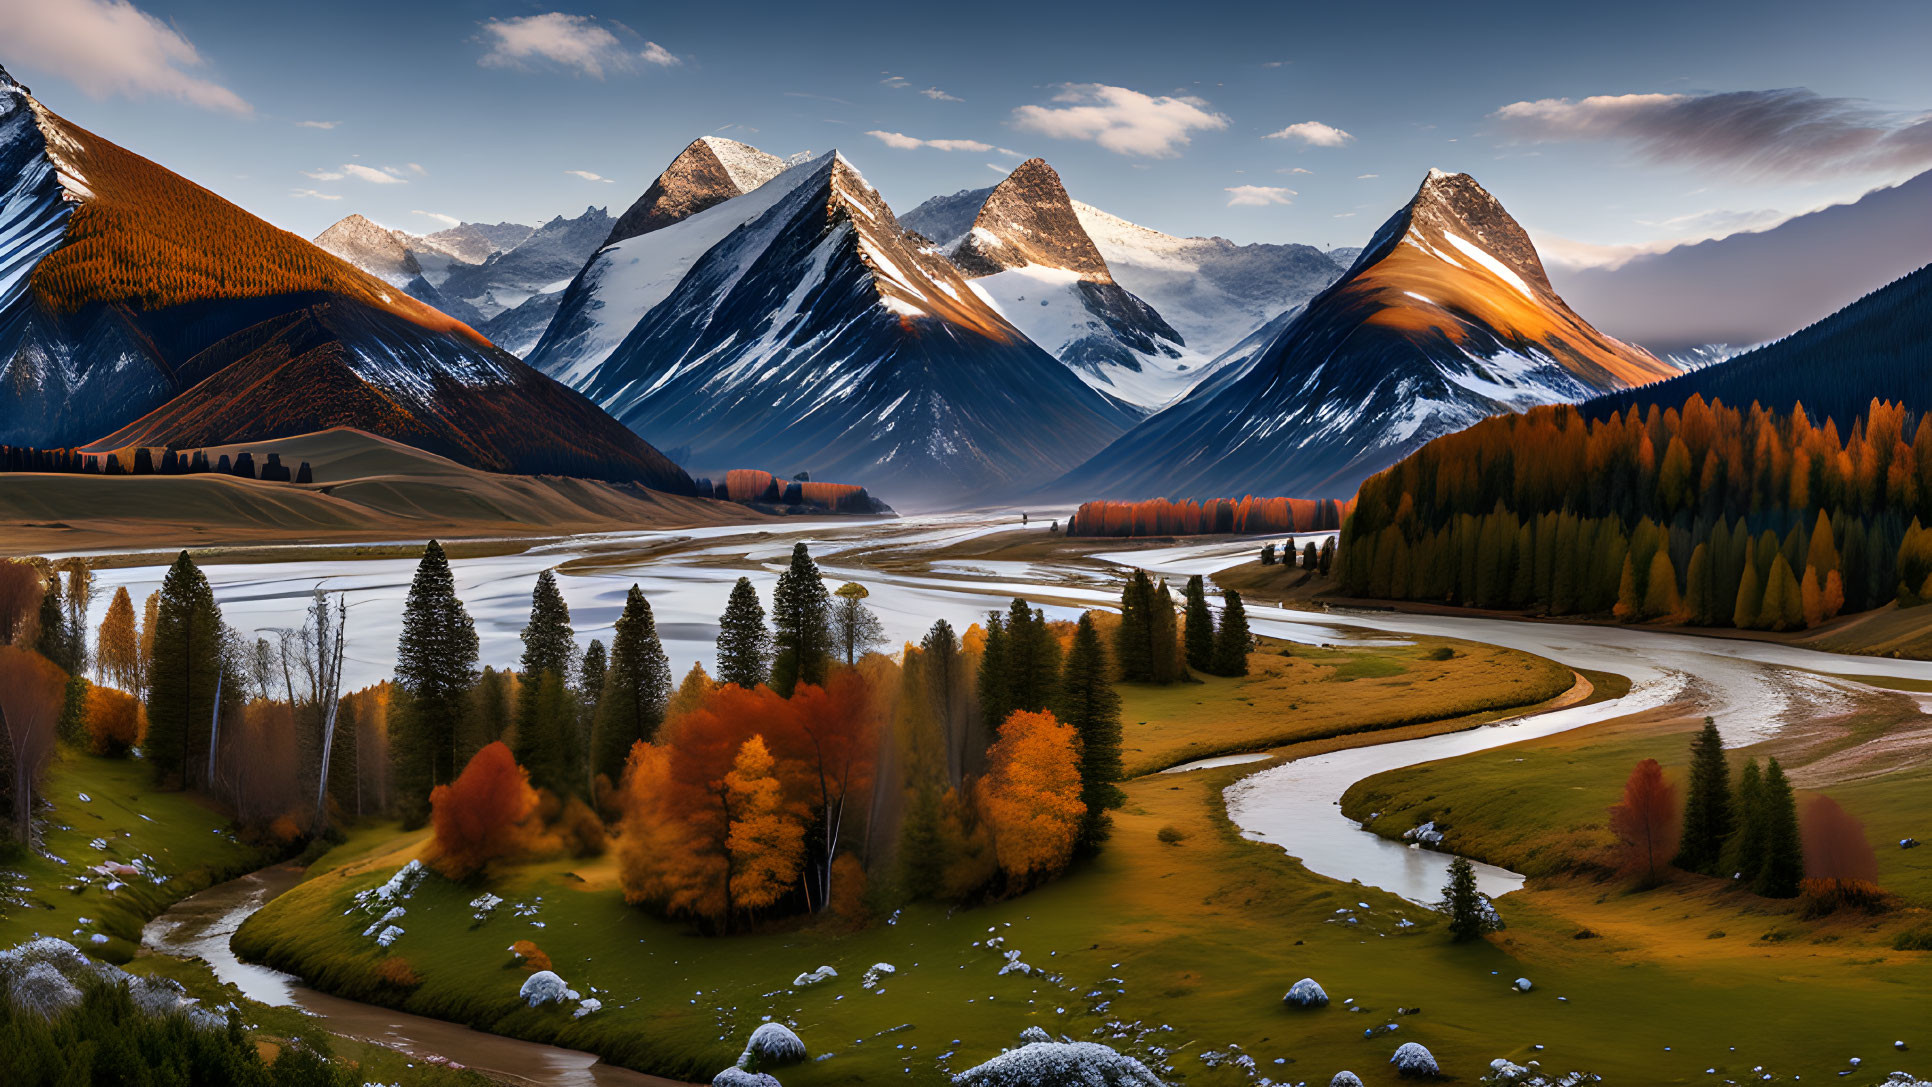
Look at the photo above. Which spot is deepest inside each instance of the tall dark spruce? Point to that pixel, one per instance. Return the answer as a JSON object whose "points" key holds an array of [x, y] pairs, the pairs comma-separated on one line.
{"points": [[1087, 701], [801, 612], [1707, 805], [435, 668], [637, 688], [744, 644], [547, 742], [185, 668], [1200, 624], [1784, 858], [1232, 642]]}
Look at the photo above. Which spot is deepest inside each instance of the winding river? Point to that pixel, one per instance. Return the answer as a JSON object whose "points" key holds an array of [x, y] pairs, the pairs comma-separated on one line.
{"points": [[1753, 689]]}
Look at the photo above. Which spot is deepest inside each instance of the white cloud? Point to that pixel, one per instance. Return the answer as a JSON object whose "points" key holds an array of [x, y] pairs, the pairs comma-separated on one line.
{"points": [[1366, 177], [1312, 134], [656, 54], [1787, 132], [907, 143], [938, 95], [588, 176], [108, 47], [446, 220], [311, 194], [317, 124], [324, 175], [1124, 121], [1258, 196], [1293, 170], [895, 81], [371, 174], [414, 168], [577, 42]]}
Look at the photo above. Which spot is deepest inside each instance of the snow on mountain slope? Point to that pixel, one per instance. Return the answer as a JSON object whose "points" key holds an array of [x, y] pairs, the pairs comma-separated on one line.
{"points": [[1028, 257], [623, 281], [553, 252], [163, 304], [1445, 318], [818, 335], [1211, 290], [709, 171]]}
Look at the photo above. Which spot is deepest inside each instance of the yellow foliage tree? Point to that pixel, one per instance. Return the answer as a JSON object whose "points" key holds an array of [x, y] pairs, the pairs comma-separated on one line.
{"points": [[766, 842], [1030, 796]]}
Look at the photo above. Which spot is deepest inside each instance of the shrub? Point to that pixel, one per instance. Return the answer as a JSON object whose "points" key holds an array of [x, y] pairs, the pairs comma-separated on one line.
{"points": [[1826, 895], [1170, 834], [530, 956], [580, 830], [1914, 939], [396, 971], [114, 722]]}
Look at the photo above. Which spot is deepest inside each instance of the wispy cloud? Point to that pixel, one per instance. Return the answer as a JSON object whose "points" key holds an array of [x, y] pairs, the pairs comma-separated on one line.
{"points": [[110, 47], [311, 194], [1258, 196], [317, 124], [1788, 132], [1366, 177], [324, 175], [446, 220], [372, 175], [938, 95], [1312, 134], [1124, 121], [575, 42], [588, 176], [907, 143]]}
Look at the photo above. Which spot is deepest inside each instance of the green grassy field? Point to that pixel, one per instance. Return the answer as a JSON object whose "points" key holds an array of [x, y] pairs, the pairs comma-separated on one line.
{"points": [[179, 838], [1172, 952], [1297, 692]]}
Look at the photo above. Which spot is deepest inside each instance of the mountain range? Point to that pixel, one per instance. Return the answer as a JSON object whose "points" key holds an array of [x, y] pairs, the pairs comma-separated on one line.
{"points": [[136, 306]]}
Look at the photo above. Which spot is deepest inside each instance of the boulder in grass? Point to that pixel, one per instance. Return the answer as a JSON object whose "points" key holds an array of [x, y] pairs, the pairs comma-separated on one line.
{"points": [[1523, 985], [1411, 1059], [1306, 994], [738, 1077], [1345, 1079], [773, 1043], [1087, 1064], [823, 973], [1035, 1034], [544, 987]]}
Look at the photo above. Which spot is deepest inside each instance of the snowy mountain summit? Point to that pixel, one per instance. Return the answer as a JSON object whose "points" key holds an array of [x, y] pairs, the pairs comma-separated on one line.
{"points": [[1446, 317]]}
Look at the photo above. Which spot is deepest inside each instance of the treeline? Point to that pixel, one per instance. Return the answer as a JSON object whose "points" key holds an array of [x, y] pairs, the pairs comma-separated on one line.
{"points": [[750, 486], [1706, 515], [1249, 515], [141, 461]]}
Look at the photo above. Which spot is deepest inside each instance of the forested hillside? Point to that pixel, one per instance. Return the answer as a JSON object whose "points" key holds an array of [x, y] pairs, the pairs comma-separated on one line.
{"points": [[1703, 514]]}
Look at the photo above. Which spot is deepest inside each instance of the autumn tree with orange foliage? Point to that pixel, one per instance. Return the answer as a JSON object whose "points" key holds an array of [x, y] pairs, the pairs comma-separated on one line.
{"points": [[765, 844], [1250, 515], [113, 721], [1645, 820], [1030, 797], [480, 817]]}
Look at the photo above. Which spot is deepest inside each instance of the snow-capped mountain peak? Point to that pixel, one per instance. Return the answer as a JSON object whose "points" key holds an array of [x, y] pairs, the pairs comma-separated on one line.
{"points": [[709, 171]]}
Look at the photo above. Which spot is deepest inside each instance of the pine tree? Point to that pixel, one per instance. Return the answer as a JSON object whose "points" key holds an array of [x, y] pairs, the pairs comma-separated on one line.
{"points": [[1134, 638], [1698, 593], [1707, 805], [1783, 862], [1750, 598], [1231, 645], [546, 723], [1088, 702], [1170, 665], [186, 665], [942, 670], [744, 645], [1660, 591], [435, 668], [1200, 626], [1032, 659], [1464, 904], [995, 673], [591, 670], [801, 611], [637, 688], [1744, 853], [52, 640], [1784, 607], [117, 655]]}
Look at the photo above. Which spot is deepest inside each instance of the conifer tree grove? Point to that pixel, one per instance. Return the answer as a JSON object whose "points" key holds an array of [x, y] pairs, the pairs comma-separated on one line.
{"points": [[1200, 626], [1707, 804], [943, 669], [546, 723], [1783, 865], [52, 641], [435, 668], [1231, 645], [637, 688], [801, 612], [995, 672], [186, 664], [1169, 664], [1032, 662], [1087, 701], [744, 645]]}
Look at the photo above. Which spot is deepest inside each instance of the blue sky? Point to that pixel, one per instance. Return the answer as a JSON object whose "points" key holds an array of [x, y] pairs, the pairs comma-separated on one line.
{"points": [[1607, 124]]}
